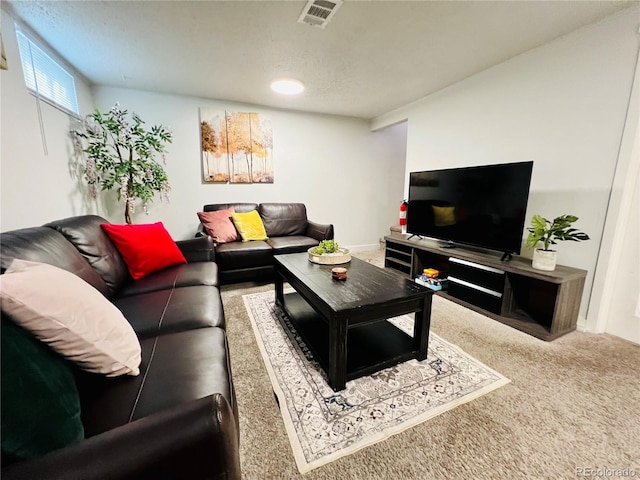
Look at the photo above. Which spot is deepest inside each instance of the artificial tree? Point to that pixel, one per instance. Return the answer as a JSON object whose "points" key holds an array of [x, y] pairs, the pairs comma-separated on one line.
{"points": [[121, 155]]}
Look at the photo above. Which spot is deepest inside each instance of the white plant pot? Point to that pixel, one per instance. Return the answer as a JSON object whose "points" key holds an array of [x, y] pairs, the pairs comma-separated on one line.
{"points": [[341, 256], [544, 259]]}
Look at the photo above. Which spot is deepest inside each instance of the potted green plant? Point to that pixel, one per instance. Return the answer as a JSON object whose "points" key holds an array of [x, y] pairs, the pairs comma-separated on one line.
{"points": [[328, 252], [120, 155], [549, 233]]}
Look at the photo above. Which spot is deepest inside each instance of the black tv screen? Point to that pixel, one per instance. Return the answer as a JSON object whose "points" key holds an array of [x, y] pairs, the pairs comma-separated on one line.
{"points": [[484, 206]]}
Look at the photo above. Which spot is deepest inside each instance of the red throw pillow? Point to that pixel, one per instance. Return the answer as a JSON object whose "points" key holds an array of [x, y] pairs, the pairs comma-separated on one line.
{"points": [[145, 248], [219, 226]]}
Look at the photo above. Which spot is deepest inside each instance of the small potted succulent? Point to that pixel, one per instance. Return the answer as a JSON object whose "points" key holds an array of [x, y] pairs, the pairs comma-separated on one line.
{"points": [[328, 252], [549, 233]]}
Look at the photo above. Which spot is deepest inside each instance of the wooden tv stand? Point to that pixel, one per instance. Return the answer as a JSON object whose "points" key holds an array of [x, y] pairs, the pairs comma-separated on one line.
{"points": [[542, 304]]}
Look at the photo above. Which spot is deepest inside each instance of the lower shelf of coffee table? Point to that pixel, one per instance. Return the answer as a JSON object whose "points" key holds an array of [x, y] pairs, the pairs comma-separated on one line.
{"points": [[370, 347]]}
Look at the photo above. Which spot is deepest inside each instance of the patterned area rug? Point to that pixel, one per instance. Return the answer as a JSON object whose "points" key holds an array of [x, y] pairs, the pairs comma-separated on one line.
{"points": [[324, 425]]}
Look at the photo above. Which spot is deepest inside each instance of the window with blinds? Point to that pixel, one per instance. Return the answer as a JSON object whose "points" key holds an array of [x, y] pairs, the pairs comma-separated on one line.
{"points": [[45, 77]]}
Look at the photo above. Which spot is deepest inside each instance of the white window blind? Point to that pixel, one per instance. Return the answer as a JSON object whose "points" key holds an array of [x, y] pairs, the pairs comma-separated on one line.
{"points": [[45, 77]]}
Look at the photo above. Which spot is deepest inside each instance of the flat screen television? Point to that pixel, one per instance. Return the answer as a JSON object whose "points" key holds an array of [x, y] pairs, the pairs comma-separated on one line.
{"points": [[483, 206]]}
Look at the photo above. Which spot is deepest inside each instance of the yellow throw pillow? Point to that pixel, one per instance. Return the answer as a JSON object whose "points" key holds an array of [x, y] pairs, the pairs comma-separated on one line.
{"points": [[444, 216], [249, 225]]}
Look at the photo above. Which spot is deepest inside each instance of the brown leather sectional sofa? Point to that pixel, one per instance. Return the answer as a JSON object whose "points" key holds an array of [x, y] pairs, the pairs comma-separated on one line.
{"points": [[178, 418], [288, 231]]}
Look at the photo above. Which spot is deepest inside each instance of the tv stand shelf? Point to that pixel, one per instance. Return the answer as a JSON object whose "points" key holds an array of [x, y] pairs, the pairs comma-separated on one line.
{"points": [[542, 304]]}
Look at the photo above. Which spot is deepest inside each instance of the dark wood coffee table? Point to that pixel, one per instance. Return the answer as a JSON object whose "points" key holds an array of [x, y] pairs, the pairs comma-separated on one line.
{"points": [[343, 322]]}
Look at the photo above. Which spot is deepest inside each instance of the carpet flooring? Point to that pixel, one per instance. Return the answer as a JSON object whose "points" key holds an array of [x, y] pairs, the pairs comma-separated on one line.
{"points": [[324, 425], [572, 404]]}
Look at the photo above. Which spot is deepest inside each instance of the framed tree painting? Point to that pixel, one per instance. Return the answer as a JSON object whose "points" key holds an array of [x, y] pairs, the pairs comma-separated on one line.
{"points": [[237, 147]]}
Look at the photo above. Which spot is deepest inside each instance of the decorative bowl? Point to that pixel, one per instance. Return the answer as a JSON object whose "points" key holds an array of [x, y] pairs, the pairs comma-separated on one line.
{"points": [[341, 256]]}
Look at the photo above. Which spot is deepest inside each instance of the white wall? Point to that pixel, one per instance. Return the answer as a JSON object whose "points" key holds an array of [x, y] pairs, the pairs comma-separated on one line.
{"points": [[615, 305], [561, 105], [334, 165], [624, 312], [35, 187], [392, 142]]}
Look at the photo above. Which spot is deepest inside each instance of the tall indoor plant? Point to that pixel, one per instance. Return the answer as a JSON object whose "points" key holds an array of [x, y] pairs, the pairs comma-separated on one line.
{"points": [[549, 233], [120, 154]]}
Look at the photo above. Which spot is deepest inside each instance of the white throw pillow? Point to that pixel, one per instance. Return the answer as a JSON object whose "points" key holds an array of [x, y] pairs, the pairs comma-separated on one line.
{"points": [[70, 315]]}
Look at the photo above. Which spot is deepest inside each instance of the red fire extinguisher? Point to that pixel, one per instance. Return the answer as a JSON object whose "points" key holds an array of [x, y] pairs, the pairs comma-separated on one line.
{"points": [[403, 213]]}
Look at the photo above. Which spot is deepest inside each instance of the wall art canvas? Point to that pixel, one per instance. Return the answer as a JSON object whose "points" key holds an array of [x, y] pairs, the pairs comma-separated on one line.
{"points": [[237, 147]]}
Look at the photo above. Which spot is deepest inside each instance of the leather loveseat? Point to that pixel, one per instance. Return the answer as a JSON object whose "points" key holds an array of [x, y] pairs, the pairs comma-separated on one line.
{"points": [[288, 231], [178, 418]]}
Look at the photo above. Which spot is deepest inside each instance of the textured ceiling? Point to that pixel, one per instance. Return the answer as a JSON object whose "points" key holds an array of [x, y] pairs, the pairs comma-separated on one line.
{"points": [[373, 57]]}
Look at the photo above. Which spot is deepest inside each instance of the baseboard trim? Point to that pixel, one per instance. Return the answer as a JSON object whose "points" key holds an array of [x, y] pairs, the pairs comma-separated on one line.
{"points": [[363, 248]]}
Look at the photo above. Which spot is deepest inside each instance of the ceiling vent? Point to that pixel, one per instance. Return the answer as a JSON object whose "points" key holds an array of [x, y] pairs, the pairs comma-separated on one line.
{"points": [[317, 13]]}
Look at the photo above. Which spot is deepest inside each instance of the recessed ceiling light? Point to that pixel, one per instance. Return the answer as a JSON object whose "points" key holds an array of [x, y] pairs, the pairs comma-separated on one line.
{"points": [[287, 86]]}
